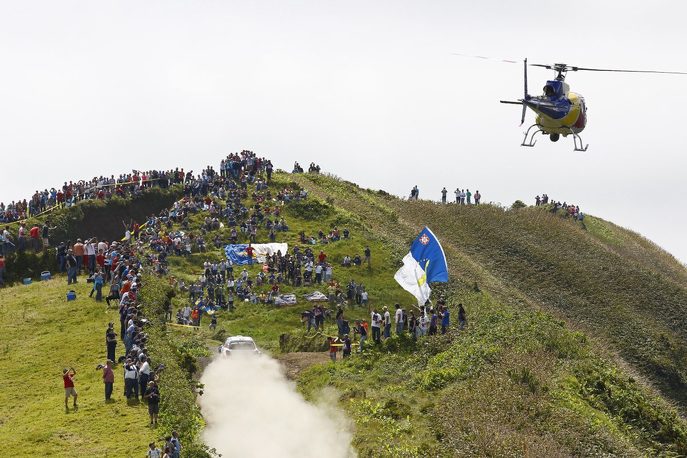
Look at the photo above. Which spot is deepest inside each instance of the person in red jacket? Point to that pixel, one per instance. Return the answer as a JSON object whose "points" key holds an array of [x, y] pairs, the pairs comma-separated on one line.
{"points": [[69, 390], [34, 234]]}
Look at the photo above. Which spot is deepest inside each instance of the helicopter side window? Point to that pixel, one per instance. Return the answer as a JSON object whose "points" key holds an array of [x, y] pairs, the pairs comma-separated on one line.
{"points": [[549, 91]]}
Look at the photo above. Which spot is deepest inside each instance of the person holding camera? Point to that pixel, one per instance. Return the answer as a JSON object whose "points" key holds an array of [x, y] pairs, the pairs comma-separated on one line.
{"points": [[108, 378], [143, 372], [130, 379], [152, 394], [69, 390]]}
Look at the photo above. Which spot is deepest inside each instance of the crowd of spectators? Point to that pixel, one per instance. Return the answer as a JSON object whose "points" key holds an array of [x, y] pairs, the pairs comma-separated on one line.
{"points": [[569, 210], [70, 192], [222, 200]]}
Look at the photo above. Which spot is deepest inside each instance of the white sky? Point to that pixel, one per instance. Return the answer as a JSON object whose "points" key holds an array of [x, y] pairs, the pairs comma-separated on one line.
{"points": [[369, 90]]}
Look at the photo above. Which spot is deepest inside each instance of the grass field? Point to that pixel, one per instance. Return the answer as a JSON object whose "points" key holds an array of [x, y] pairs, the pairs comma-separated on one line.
{"points": [[41, 334], [575, 344]]}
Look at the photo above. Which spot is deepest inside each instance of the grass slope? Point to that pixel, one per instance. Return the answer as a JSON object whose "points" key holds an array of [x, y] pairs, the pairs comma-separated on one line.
{"points": [[561, 317], [41, 334]]}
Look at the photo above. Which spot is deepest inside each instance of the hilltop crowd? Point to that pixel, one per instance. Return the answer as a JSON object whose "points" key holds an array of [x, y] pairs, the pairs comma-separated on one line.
{"points": [[569, 210], [70, 192], [462, 196]]}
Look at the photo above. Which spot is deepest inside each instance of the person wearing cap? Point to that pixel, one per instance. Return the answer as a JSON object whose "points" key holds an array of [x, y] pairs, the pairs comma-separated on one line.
{"points": [[152, 394], [108, 379]]}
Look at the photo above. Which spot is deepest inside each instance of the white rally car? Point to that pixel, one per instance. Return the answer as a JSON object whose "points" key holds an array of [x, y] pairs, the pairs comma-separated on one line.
{"points": [[244, 345]]}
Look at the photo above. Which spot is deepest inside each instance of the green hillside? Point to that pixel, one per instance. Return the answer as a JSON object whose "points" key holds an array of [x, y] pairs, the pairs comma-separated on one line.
{"points": [[575, 344]]}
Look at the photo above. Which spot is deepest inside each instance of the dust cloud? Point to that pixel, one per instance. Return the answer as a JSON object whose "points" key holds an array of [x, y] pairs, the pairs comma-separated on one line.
{"points": [[253, 410]]}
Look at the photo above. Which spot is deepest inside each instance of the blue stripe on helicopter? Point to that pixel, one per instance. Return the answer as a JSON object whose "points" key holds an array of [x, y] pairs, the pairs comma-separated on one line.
{"points": [[555, 109]]}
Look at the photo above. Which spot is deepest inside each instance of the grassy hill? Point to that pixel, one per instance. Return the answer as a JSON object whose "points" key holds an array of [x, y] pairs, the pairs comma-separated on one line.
{"points": [[575, 343], [42, 333]]}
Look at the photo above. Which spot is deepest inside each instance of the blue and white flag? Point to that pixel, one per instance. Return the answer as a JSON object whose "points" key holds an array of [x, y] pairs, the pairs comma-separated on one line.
{"points": [[237, 253], [425, 263]]}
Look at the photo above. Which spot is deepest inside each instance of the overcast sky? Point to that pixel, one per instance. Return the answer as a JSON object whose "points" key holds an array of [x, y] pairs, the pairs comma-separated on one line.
{"points": [[369, 90]]}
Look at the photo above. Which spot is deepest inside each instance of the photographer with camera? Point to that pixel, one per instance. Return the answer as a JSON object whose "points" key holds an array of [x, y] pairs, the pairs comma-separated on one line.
{"points": [[108, 378], [130, 379], [69, 390], [152, 395]]}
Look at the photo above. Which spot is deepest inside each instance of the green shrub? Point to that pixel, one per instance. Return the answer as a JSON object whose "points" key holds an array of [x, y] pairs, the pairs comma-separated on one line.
{"points": [[310, 209]]}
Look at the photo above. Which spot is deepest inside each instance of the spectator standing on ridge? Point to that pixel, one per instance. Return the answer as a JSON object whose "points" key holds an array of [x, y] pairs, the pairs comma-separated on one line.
{"points": [[45, 231], [477, 197], [443, 195], [468, 196], [21, 238]]}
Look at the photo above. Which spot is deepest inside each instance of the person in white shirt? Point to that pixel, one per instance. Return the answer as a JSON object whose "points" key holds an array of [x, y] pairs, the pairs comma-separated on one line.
{"points": [[376, 320], [143, 373], [154, 452], [89, 250], [130, 379], [398, 319], [387, 323], [423, 323], [186, 313]]}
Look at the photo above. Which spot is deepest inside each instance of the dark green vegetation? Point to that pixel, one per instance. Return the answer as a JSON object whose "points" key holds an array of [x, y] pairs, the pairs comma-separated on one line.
{"points": [[572, 326], [575, 342], [89, 218]]}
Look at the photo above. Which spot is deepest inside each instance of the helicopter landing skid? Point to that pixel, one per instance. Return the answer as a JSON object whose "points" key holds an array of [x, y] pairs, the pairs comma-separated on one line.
{"points": [[529, 139], [577, 141]]}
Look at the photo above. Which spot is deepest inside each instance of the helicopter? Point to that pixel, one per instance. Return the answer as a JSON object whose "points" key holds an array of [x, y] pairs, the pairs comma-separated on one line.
{"points": [[559, 111]]}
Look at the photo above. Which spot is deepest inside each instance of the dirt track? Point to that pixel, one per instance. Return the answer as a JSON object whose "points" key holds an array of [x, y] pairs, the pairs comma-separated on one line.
{"points": [[295, 362]]}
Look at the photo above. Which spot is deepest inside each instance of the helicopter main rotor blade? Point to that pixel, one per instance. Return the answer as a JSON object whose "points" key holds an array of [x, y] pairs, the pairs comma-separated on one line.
{"points": [[496, 59], [625, 71]]}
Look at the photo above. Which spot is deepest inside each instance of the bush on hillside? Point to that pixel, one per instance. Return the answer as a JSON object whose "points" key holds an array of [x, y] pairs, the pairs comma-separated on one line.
{"points": [[310, 209], [518, 204]]}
